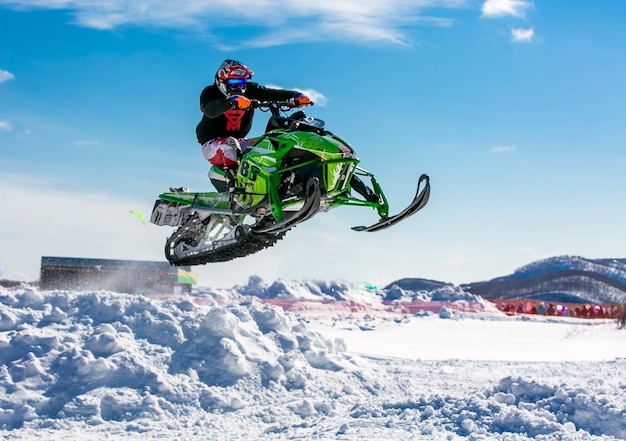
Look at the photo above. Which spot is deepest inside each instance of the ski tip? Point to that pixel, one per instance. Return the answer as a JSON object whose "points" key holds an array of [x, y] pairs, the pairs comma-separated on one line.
{"points": [[359, 228]]}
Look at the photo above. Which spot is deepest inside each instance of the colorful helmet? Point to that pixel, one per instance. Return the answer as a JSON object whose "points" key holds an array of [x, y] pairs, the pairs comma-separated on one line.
{"points": [[231, 77]]}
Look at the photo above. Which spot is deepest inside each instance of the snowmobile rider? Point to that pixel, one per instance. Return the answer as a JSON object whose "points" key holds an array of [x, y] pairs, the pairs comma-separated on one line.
{"points": [[227, 116]]}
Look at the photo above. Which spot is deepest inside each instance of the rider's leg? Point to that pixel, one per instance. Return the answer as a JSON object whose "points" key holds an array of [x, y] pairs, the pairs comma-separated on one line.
{"points": [[225, 153]]}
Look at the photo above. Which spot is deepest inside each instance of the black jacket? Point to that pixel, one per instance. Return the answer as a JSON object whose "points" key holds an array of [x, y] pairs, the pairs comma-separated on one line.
{"points": [[220, 120]]}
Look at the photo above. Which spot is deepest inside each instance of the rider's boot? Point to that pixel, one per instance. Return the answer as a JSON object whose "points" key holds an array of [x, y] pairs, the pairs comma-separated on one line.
{"points": [[230, 173]]}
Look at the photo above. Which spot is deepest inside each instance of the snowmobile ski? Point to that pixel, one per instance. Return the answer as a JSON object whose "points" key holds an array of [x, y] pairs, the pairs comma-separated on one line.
{"points": [[419, 201]]}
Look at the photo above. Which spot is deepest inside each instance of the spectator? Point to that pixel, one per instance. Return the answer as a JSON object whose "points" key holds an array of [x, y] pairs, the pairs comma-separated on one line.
{"points": [[621, 316]]}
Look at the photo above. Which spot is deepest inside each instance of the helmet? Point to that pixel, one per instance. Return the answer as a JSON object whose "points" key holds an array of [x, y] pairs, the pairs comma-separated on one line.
{"points": [[231, 77]]}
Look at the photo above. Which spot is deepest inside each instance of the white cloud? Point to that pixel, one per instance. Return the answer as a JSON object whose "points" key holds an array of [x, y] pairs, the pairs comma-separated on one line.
{"points": [[5, 75], [502, 8], [504, 149], [69, 223], [522, 35], [297, 20], [5, 126]]}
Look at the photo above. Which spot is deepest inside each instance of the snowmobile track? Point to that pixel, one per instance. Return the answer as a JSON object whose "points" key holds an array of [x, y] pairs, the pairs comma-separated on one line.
{"points": [[249, 244]]}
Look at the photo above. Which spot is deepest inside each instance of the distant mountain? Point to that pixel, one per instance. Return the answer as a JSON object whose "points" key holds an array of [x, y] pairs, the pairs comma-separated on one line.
{"points": [[560, 279], [416, 289], [418, 284]]}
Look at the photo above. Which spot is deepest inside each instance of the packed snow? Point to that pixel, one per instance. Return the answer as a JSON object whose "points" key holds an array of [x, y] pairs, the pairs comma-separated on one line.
{"points": [[104, 365]]}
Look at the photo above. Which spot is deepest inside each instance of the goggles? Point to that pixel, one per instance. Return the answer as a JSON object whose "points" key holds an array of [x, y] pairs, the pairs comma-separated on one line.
{"points": [[236, 83]]}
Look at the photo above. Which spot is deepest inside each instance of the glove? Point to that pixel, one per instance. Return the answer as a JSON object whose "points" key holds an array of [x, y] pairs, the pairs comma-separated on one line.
{"points": [[301, 100], [240, 102]]}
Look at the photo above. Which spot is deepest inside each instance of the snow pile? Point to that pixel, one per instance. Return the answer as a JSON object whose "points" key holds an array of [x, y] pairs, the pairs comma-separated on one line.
{"points": [[101, 357], [515, 409], [102, 365], [350, 299], [315, 290]]}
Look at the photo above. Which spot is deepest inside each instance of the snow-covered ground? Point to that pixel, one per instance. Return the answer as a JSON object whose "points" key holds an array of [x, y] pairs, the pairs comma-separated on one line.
{"points": [[102, 365]]}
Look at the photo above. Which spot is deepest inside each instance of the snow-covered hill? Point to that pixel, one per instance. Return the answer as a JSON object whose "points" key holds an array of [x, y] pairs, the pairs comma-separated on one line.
{"points": [[560, 279], [103, 365]]}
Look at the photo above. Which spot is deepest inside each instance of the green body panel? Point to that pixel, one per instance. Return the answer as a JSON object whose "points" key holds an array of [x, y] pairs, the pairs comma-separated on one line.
{"points": [[257, 174], [218, 201], [258, 177]]}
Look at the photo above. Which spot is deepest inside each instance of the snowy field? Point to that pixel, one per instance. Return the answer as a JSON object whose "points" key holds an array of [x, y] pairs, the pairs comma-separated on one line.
{"points": [[101, 365]]}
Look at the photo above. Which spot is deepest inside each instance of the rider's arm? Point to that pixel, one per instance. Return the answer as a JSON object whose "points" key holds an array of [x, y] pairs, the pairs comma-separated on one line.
{"points": [[215, 108], [213, 103]]}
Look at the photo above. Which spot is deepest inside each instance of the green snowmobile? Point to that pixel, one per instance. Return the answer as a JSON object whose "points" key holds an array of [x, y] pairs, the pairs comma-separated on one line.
{"points": [[294, 170]]}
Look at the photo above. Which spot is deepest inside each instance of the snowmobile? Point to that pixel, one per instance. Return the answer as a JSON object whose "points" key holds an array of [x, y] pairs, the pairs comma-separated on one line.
{"points": [[293, 171]]}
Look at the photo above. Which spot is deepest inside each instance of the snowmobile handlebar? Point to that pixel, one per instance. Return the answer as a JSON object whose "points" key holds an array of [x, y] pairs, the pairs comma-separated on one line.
{"points": [[276, 106]]}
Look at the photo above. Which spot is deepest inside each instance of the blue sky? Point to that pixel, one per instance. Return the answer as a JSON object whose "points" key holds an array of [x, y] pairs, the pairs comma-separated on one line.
{"points": [[516, 109]]}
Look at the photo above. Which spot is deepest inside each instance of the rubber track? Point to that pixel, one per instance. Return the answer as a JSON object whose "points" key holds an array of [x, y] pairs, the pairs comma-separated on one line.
{"points": [[250, 244]]}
